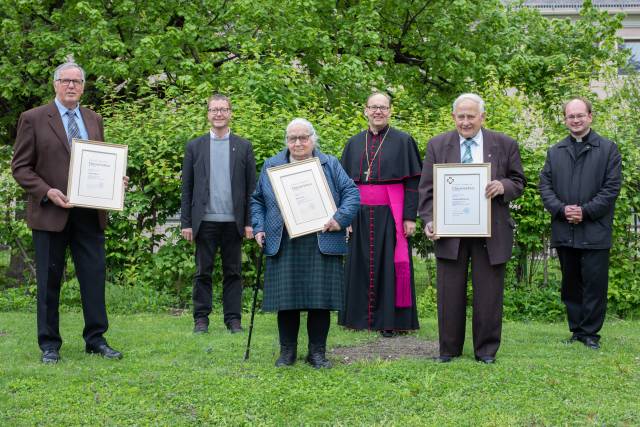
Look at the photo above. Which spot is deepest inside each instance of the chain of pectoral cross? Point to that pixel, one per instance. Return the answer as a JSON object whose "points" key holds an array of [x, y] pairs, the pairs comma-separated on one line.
{"points": [[366, 150]]}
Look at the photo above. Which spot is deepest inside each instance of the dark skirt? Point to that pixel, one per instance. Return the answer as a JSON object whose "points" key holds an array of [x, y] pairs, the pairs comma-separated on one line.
{"points": [[370, 275], [300, 277]]}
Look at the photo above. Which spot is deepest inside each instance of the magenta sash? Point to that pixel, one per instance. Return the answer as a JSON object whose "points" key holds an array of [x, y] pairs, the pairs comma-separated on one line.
{"points": [[392, 195]]}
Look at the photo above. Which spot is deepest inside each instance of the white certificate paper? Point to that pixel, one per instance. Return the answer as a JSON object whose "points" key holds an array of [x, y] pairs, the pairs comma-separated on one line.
{"points": [[98, 180], [460, 207], [461, 198], [303, 196], [95, 175]]}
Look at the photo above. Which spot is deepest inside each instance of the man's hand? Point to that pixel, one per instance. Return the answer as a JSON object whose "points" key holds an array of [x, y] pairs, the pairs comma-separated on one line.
{"points": [[573, 213], [493, 189], [260, 238], [409, 228], [248, 232], [428, 231], [187, 233], [332, 225], [348, 230], [58, 198]]}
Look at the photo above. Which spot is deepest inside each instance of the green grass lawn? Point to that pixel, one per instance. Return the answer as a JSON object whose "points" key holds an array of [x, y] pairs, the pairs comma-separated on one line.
{"points": [[171, 377]]}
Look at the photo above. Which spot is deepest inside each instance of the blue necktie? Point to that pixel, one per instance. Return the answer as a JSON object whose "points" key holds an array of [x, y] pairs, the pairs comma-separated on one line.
{"points": [[466, 156], [74, 130]]}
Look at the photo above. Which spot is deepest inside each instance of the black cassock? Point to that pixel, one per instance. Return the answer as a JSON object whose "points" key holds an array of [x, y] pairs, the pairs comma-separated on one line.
{"points": [[391, 157]]}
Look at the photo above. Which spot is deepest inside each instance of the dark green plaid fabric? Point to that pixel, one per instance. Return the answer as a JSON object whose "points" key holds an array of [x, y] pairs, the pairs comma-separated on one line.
{"points": [[299, 277]]}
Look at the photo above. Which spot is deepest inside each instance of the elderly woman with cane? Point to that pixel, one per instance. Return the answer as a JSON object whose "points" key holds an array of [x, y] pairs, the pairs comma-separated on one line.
{"points": [[305, 273]]}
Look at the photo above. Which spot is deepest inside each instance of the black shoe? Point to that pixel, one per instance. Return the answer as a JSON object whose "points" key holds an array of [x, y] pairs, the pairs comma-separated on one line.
{"points": [[50, 356], [590, 342], [488, 360], [387, 333], [104, 350], [201, 325], [573, 338], [443, 359], [316, 357], [288, 355], [234, 326]]}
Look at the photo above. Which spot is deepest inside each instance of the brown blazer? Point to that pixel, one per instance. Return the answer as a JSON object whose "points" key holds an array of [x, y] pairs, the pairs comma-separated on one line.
{"points": [[503, 154], [41, 157]]}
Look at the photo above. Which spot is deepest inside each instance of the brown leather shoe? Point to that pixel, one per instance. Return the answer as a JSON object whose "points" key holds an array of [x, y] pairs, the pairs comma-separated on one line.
{"points": [[201, 325], [234, 326]]}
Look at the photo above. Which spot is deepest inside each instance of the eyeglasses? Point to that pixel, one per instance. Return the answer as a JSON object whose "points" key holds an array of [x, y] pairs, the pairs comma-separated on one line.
{"points": [[381, 108], [576, 116], [219, 110], [469, 117], [67, 82], [302, 138]]}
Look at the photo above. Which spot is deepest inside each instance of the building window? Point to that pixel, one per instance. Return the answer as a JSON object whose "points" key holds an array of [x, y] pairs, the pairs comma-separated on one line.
{"points": [[634, 59]]}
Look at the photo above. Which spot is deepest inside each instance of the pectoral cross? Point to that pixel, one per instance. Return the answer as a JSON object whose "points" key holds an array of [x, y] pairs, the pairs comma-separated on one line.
{"points": [[366, 175]]}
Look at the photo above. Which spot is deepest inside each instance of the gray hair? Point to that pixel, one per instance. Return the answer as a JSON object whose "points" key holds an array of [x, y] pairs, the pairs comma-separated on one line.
{"points": [[312, 132], [65, 66], [471, 97]]}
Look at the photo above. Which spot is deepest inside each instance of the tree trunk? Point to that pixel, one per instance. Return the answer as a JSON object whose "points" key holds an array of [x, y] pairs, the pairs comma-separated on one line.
{"points": [[18, 265]]}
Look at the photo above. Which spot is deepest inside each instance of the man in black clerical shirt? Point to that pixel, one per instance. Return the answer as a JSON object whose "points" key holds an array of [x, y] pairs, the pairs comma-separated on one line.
{"points": [[579, 184]]}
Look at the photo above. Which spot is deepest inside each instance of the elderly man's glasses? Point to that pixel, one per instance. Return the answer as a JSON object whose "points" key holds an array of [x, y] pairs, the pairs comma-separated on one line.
{"points": [[576, 116], [67, 82], [219, 110], [291, 139], [468, 117], [381, 108]]}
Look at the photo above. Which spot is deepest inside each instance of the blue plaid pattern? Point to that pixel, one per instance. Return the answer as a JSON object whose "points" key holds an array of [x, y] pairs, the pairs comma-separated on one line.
{"points": [[299, 277]]}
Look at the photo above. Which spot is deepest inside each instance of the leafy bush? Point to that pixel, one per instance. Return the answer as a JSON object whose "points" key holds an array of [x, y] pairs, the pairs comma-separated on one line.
{"points": [[18, 299]]}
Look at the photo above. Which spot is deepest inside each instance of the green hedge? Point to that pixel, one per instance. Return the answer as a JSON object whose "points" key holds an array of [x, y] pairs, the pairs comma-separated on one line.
{"points": [[142, 254]]}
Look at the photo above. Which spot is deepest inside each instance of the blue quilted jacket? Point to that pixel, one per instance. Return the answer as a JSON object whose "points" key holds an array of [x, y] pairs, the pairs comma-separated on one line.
{"points": [[265, 214]]}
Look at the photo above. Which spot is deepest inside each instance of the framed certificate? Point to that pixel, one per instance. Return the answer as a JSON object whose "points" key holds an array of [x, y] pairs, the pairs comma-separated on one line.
{"points": [[95, 175], [303, 196], [460, 208]]}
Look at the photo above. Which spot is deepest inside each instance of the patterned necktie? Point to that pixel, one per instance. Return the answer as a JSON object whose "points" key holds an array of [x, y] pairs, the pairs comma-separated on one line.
{"points": [[74, 130], [466, 156]]}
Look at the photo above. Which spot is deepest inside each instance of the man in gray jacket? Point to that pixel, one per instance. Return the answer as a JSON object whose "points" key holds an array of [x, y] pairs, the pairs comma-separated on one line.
{"points": [[218, 177], [579, 185]]}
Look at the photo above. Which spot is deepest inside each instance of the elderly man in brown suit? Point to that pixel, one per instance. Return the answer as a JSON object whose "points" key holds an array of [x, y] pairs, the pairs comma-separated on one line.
{"points": [[41, 166], [471, 143]]}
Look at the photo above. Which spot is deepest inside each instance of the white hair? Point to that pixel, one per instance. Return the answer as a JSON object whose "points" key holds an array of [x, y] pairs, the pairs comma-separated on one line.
{"points": [[312, 132], [471, 97], [65, 66]]}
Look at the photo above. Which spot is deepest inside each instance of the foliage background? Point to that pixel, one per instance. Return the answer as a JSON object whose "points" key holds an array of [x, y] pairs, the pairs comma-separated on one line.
{"points": [[150, 66]]}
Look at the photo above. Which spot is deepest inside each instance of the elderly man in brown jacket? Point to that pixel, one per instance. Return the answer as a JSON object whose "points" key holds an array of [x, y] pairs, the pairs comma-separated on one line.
{"points": [[471, 143], [41, 166]]}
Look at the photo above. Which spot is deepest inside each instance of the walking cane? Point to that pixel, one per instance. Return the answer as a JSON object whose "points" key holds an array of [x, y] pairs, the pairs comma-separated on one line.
{"points": [[255, 300]]}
